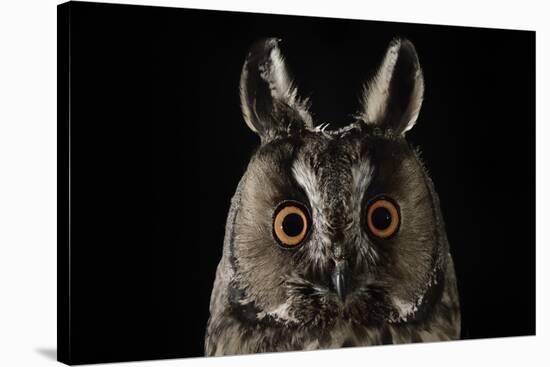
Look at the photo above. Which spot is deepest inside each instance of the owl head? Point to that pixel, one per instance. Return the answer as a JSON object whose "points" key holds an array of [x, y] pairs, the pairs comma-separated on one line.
{"points": [[332, 224]]}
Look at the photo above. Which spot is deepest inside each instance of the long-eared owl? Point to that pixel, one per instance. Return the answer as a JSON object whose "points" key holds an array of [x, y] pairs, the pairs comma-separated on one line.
{"points": [[335, 237]]}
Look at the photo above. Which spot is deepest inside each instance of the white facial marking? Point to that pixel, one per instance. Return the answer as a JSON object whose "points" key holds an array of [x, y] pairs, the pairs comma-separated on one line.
{"points": [[281, 313], [405, 309]]}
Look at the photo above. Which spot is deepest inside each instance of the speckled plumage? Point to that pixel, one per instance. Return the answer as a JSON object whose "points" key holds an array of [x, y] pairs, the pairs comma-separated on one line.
{"points": [[401, 289]]}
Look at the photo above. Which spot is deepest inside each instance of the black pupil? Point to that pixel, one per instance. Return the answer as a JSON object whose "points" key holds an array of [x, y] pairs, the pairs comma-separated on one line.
{"points": [[293, 225], [381, 218]]}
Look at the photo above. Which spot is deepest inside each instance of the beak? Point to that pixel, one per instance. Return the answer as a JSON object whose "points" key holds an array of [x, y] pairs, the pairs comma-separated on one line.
{"points": [[340, 278]]}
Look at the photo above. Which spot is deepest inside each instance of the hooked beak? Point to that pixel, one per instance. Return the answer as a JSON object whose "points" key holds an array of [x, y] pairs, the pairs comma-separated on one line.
{"points": [[340, 279]]}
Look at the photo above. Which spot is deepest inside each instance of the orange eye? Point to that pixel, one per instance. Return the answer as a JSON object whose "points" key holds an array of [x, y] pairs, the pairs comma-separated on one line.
{"points": [[290, 224], [383, 217]]}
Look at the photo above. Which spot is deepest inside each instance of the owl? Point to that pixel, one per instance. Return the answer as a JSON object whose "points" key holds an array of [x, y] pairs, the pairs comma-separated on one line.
{"points": [[334, 237]]}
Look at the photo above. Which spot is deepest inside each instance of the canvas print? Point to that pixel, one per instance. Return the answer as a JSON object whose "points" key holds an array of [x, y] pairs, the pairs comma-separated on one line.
{"points": [[237, 183]]}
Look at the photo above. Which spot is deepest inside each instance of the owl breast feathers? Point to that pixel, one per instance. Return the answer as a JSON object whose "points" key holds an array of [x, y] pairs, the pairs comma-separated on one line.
{"points": [[334, 238]]}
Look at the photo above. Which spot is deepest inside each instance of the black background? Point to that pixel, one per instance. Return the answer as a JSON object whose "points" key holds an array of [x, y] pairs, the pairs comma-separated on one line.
{"points": [[158, 145]]}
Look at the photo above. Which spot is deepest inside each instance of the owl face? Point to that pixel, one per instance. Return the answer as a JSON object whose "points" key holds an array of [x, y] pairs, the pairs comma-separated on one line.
{"points": [[332, 225]]}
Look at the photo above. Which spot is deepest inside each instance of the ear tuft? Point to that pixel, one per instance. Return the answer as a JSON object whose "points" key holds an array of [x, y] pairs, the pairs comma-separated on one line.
{"points": [[269, 99], [392, 99]]}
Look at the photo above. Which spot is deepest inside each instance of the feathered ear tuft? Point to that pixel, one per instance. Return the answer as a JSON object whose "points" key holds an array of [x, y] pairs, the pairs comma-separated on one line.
{"points": [[392, 99], [269, 99]]}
